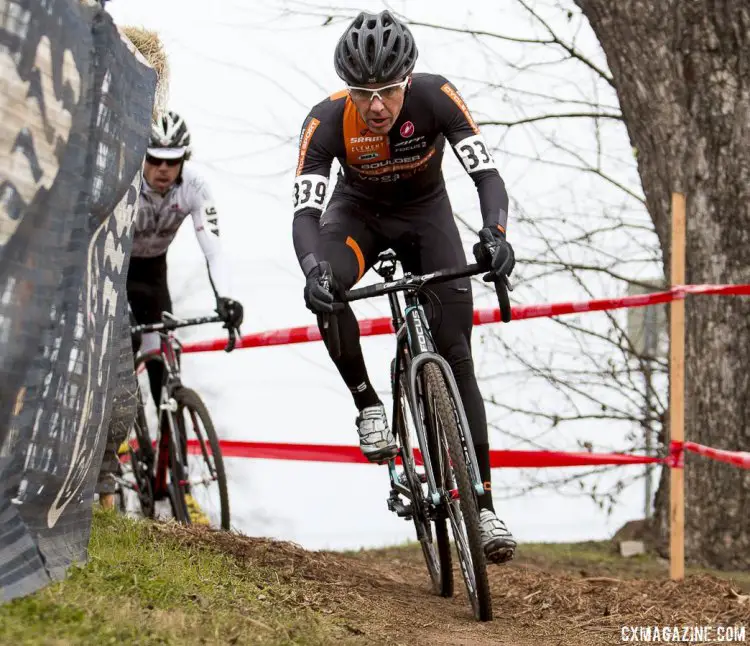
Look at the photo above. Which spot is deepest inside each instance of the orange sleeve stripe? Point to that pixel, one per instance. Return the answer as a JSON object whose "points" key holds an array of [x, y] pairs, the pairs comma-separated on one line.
{"points": [[501, 228], [352, 244], [456, 98], [304, 143], [338, 95]]}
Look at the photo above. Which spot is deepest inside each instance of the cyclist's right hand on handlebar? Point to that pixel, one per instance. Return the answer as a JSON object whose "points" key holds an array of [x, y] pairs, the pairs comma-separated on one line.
{"points": [[494, 252], [319, 290], [230, 311]]}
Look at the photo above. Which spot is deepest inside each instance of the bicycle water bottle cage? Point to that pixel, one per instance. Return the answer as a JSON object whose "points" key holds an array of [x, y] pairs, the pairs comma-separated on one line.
{"points": [[386, 265]]}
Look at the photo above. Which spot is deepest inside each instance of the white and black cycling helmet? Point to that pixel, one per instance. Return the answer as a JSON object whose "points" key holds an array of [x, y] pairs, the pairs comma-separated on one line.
{"points": [[375, 48], [170, 138]]}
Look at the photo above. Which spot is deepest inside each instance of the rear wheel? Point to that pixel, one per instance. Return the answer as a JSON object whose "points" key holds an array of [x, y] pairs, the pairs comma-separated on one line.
{"points": [[459, 497]]}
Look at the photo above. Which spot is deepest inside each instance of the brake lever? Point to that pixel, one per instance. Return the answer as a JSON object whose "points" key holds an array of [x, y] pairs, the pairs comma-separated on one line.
{"points": [[502, 285], [330, 321], [232, 331]]}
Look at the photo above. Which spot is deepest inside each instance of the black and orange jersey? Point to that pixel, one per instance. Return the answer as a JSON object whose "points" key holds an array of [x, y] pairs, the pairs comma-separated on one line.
{"points": [[393, 170]]}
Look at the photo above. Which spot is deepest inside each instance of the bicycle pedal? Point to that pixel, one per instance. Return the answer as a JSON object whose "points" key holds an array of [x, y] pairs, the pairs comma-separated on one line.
{"points": [[402, 510]]}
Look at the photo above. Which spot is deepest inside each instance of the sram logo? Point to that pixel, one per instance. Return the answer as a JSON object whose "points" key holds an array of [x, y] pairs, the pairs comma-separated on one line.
{"points": [[362, 140]]}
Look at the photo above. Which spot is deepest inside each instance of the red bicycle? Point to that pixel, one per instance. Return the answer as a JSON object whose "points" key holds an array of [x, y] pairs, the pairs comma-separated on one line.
{"points": [[184, 463]]}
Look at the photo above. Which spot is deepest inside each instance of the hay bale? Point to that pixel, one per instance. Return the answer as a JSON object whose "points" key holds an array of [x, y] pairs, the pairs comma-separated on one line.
{"points": [[149, 44]]}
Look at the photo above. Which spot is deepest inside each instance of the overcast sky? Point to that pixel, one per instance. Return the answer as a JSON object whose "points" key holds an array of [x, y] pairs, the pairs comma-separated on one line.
{"points": [[244, 76]]}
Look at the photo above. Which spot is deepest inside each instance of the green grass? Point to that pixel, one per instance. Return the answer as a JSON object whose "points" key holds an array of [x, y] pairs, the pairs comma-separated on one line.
{"points": [[146, 587]]}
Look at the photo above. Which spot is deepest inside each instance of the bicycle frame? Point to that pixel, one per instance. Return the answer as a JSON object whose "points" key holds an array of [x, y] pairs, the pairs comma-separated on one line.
{"points": [[167, 406], [414, 372], [415, 347]]}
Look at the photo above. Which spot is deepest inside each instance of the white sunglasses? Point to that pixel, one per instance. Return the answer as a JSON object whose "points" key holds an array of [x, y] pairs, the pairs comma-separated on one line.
{"points": [[368, 94]]}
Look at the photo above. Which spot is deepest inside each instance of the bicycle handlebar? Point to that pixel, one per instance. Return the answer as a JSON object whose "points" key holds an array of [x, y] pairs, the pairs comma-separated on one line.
{"points": [[414, 282], [170, 323]]}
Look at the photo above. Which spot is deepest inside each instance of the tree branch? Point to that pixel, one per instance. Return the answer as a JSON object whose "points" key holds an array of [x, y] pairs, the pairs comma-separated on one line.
{"points": [[545, 117]]}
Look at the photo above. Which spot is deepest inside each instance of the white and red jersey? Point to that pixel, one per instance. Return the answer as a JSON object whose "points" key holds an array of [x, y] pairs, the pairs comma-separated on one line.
{"points": [[160, 217]]}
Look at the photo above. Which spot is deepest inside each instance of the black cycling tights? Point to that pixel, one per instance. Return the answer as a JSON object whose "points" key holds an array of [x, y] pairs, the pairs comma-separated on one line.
{"points": [[148, 296], [155, 370]]}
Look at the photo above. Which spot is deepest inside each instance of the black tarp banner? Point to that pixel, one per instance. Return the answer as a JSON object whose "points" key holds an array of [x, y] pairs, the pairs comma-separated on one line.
{"points": [[75, 112]]}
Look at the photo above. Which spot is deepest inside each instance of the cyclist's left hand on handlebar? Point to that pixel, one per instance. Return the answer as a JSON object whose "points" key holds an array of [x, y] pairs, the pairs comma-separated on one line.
{"points": [[230, 311], [494, 252]]}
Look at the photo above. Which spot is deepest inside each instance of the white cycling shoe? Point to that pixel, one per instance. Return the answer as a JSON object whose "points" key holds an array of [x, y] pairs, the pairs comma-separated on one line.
{"points": [[375, 437], [499, 544]]}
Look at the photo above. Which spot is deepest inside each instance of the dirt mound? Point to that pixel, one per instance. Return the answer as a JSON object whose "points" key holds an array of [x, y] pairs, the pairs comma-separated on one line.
{"points": [[384, 597]]}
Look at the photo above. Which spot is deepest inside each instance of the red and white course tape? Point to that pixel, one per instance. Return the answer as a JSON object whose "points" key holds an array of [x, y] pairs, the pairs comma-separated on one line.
{"points": [[533, 459], [353, 454], [382, 325], [737, 458]]}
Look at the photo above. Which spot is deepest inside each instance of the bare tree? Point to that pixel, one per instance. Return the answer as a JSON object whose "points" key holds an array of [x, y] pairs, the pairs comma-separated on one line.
{"points": [[682, 73]]}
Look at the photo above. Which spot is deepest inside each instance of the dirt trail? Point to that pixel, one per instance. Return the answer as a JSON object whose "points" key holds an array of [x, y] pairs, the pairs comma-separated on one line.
{"points": [[384, 597]]}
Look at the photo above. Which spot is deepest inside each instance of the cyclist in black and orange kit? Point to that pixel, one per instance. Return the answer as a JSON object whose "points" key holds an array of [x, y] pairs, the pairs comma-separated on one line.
{"points": [[388, 131]]}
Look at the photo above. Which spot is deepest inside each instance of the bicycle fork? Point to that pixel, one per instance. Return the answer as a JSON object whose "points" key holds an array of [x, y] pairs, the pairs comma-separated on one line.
{"points": [[167, 409], [413, 331], [425, 352]]}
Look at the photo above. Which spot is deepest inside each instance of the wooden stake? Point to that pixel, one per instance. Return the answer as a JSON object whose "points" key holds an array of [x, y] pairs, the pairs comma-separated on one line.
{"points": [[677, 392]]}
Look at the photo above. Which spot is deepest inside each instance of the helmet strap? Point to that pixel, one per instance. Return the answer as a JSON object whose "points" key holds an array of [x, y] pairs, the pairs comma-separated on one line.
{"points": [[178, 181]]}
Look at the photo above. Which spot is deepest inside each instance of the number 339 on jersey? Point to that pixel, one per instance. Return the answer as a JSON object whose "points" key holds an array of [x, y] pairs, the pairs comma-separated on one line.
{"points": [[474, 154], [309, 192]]}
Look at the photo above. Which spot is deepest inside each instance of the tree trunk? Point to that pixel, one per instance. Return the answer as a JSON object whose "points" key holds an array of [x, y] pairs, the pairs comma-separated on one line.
{"points": [[681, 69]]}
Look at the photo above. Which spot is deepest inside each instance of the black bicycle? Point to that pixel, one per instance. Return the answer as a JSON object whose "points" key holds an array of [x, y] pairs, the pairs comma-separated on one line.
{"points": [[185, 464], [426, 404]]}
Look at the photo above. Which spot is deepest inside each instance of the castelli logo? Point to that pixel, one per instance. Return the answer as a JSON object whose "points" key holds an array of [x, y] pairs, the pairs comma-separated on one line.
{"points": [[407, 130]]}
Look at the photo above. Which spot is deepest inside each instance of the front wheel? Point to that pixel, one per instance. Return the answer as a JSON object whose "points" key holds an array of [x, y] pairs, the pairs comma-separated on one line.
{"points": [[435, 544], [203, 480], [457, 491]]}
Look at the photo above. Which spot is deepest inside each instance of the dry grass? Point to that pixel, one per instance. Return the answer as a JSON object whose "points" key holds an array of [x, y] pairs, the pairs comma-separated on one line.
{"points": [[149, 44], [586, 600]]}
